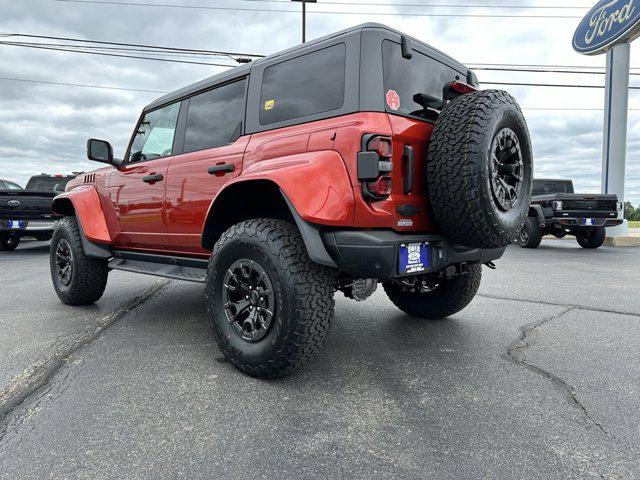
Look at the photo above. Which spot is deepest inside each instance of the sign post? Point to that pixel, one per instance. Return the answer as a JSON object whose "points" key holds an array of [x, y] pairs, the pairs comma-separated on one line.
{"points": [[614, 144], [609, 27]]}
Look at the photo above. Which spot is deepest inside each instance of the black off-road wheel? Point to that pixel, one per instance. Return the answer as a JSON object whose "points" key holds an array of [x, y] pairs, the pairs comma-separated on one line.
{"points": [[77, 279], [592, 238], [530, 234], [436, 299], [9, 242], [270, 307], [479, 170]]}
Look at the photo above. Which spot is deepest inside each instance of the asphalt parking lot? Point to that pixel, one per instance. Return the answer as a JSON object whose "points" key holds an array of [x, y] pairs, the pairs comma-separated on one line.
{"points": [[538, 378]]}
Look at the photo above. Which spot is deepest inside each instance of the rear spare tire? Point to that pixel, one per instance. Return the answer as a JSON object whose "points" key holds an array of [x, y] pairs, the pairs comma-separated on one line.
{"points": [[479, 169]]}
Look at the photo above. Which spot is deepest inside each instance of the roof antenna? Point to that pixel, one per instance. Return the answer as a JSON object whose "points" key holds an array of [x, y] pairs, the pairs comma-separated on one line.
{"points": [[406, 47]]}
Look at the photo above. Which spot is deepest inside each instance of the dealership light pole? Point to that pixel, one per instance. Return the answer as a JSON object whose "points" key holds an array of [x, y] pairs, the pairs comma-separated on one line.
{"points": [[609, 27], [304, 17]]}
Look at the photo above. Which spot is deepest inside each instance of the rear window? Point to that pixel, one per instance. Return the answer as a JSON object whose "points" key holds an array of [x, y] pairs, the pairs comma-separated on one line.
{"points": [[305, 85], [543, 187], [48, 183], [214, 117], [406, 77]]}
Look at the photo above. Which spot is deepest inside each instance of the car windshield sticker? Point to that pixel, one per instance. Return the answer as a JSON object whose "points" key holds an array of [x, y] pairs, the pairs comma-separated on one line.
{"points": [[393, 100], [269, 104]]}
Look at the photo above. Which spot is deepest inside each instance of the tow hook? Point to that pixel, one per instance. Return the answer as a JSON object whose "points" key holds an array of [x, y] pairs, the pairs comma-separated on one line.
{"points": [[491, 265]]}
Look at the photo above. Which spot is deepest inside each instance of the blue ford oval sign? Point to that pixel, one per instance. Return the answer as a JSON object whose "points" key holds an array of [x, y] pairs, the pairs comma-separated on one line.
{"points": [[607, 23]]}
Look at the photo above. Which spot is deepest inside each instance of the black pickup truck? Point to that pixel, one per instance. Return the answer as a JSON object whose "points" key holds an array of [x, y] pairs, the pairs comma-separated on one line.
{"points": [[557, 210], [27, 213]]}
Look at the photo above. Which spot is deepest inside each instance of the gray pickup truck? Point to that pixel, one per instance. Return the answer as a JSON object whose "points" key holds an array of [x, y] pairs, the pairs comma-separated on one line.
{"points": [[27, 212], [556, 210]]}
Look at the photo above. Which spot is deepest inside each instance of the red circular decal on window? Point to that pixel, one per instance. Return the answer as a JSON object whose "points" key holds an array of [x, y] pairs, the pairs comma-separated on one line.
{"points": [[393, 100]]}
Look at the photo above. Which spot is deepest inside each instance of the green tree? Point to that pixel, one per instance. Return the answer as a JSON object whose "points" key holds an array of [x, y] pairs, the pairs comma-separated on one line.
{"points": [[629, 210]]}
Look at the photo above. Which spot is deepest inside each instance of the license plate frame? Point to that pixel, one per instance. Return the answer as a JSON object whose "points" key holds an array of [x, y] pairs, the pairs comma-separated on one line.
{"points": [[15, 224], [414, 257]]}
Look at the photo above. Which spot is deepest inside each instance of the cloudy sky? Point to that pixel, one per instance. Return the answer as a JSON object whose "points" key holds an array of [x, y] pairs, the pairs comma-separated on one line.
{"points": [[44, 127]]}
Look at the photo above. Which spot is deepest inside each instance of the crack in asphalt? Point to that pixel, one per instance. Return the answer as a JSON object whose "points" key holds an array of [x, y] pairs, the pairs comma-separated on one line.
{"points": [[515, 353], [557, 304], [39, 374]]}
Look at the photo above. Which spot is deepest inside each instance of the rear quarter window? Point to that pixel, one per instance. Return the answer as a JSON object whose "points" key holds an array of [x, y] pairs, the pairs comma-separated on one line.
{"points": [[406, 77], [214, 116], [306, 85]]}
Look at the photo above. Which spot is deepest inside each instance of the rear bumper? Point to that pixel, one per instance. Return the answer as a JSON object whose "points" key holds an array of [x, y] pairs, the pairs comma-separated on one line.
{"points": [[375, 253], [577, 222], [31, 227]]}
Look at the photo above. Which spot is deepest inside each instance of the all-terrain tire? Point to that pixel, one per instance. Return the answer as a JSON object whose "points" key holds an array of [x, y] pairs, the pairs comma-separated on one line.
{"points": [[530, 234], [88, 277], [447, 298], [461, 171], [593, 238], [303, 301], [9, 242]]}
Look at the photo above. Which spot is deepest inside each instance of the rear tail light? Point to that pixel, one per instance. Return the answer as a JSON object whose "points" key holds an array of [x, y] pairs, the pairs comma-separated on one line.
{"points": [[463, 88], [619, 206], [375, 166], [381, 187]]}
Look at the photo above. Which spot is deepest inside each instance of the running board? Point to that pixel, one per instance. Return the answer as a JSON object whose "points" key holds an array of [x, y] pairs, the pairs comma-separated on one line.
{"points": [[177, 268]]}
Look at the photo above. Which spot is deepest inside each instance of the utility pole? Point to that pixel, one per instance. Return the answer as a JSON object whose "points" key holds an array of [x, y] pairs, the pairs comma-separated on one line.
{"points": [[304, 17]]}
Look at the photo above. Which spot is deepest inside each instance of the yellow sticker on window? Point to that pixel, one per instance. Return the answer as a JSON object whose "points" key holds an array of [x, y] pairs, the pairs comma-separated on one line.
{"points": [[269, 104]]}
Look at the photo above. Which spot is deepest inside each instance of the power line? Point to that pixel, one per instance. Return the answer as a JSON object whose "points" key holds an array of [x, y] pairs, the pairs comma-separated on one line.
{"points": [[103, 42], [531, 70], [314, 12], [105, 87], [204, 52], [434, 5], [140, 57], [559, 85]]}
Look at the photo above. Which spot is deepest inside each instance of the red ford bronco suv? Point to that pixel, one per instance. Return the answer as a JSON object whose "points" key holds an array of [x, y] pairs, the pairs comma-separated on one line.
{"points": [[362, 157]]}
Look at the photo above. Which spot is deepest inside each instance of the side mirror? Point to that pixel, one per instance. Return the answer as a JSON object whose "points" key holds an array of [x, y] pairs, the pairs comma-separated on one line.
{"points": [[99, 151]]}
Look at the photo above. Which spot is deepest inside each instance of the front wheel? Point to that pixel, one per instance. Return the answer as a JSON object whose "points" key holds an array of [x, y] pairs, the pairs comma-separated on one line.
{"points": [[269, 305], [440, 299], [592, 238], [9, 242], [77, 279]]}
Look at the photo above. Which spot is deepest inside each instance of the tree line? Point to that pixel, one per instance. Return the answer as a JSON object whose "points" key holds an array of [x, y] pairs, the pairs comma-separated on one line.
{"points": [[630, 212]]}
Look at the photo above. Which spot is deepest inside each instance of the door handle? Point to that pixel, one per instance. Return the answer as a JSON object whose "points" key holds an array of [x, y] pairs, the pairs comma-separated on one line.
{"points": [[153, 178], [408, 180], [224, 168]]}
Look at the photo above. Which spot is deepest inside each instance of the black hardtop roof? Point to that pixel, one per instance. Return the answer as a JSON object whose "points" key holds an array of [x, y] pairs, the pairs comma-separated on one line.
{"points": [[244, 70]]}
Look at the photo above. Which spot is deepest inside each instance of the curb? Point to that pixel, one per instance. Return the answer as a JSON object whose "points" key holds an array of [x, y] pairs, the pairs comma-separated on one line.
{"points": [[622, 241]]}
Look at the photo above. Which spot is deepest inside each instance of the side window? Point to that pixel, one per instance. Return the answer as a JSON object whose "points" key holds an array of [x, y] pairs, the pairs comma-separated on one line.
{"points": [[215, 117], [13, 186], [154, 137], [305, 85], [3, 186]]}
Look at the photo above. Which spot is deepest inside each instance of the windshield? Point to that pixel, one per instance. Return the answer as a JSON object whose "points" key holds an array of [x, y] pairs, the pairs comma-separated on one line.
{"points": [[403, 78], [50, 184]]}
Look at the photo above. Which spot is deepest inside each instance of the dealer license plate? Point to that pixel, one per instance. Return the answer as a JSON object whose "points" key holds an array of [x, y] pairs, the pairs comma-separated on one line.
{"points": [[587, 221], [414, 257], [15, 224]]}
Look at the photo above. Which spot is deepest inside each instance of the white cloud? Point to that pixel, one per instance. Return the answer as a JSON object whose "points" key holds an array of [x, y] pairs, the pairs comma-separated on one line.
{"points": [[44, 128]]}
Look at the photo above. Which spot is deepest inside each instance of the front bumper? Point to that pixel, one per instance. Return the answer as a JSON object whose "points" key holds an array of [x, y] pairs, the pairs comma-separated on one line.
{"points": [[375, 253]]}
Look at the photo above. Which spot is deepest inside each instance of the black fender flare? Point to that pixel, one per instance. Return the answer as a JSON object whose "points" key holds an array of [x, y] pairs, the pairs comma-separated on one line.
{"points": [[311, 236]]}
